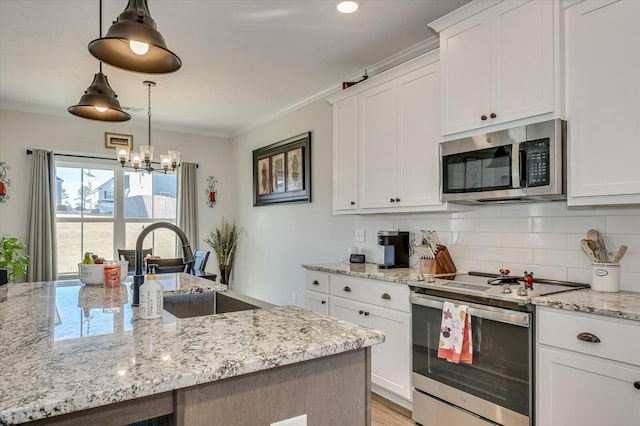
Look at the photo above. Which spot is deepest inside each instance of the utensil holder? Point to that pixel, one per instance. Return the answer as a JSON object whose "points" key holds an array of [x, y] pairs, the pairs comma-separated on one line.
{"points": [[444, 262], [605, 277], [428, 266]]}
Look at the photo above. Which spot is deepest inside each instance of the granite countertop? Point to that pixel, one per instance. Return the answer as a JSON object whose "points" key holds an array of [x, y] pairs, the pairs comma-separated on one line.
{"points": [[366, 270], [68, 347], [625, 304]]}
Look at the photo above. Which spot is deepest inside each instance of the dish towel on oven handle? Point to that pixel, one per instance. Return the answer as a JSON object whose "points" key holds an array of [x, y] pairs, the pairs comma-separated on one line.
{"points": [[455, 334]]}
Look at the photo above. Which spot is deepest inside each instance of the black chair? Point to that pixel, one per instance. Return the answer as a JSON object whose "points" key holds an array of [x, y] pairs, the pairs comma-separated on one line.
{"points": [[201, 257], [130, 255]]}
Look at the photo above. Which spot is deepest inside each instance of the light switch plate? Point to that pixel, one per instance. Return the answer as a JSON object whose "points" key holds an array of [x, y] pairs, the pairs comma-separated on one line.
{"points": [[359, 235], [293, 421]]}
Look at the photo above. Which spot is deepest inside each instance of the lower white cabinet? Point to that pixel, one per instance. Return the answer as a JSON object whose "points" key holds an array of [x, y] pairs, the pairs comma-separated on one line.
{"points": [[583, 383], [376, 304]]}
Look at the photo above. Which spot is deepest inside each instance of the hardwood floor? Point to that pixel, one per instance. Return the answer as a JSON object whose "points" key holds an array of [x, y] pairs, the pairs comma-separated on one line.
{"points": [[386, 413]]}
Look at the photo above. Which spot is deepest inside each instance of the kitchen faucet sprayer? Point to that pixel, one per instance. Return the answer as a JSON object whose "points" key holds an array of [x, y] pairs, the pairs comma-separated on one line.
{"points": [[187, 255]]}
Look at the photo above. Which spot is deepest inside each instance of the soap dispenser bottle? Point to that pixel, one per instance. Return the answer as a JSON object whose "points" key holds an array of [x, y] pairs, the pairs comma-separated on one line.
{"points": [[151, 299]]}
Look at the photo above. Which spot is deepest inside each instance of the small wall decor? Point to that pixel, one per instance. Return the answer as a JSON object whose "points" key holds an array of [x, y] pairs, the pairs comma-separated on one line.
{"points": [[118, 140], [4, 182], [282, 172], [211, 191]]}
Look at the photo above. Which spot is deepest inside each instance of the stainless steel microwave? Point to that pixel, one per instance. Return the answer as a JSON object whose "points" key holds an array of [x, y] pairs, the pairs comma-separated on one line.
{"points": [[520, 164]]}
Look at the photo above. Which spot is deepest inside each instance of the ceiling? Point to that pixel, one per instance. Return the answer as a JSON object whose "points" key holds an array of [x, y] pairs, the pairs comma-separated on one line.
{"points": [[244, 61]]}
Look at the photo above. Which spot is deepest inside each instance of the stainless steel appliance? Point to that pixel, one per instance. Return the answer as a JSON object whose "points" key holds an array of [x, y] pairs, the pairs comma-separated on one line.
{"points": [[520, 164], [497, 387], [395, 249]]}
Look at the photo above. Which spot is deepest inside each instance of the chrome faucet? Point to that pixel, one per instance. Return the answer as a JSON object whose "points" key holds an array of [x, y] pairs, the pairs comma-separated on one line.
{"points": [[187, 255]]}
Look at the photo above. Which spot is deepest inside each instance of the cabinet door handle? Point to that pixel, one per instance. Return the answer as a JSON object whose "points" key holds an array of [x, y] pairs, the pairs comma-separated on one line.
{"points": [[392, 200], [346, 288], [366, 314], [397, 200], [636, 384], [588, 337], [353, 203], [386, 296], [324, 302], [315, 282], [361, 312], [493, 115], [483, 117]]}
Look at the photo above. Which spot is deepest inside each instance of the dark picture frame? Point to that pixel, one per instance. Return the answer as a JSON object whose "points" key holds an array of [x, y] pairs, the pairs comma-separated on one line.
{"points": [[282, 172], [118, 140]]}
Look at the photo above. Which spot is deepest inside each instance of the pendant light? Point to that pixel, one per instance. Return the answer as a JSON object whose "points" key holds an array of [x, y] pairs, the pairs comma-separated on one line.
{"points": [[99, 101], [134, 43], [142, 161]]}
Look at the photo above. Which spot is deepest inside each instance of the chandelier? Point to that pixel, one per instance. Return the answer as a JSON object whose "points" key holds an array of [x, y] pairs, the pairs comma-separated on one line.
{"points": [[142, 161]]}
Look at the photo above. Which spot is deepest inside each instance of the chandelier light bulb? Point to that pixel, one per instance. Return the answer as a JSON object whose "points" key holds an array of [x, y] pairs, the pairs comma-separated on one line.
{"points": [[138, 47], [100, 109], [348, 6]]}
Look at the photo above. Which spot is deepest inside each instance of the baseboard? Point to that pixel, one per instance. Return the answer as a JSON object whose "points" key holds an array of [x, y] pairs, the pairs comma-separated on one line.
{"points": [[400, 402]]}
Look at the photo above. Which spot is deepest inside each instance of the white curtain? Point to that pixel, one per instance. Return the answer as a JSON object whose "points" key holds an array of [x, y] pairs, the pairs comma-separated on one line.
{"points": [[188, 203], [41, 218]]}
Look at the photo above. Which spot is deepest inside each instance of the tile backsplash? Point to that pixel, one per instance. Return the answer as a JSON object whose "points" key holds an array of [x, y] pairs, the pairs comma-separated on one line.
{"points": [[542, 237]]}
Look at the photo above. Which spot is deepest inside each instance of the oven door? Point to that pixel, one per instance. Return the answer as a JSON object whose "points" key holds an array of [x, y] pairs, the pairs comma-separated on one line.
{"points": [[497, 384]]}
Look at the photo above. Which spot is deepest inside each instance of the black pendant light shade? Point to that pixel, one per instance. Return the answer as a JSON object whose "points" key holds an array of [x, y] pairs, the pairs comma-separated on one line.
{"points": [[99, 102], [135, 24]]}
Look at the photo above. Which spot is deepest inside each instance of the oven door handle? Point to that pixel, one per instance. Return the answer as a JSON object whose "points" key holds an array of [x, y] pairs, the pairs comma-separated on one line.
{"points": [[487, 312]]}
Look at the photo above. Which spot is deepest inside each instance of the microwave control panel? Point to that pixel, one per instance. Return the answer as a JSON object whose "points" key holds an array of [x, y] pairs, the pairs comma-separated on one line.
{"points": [[538, 173]]}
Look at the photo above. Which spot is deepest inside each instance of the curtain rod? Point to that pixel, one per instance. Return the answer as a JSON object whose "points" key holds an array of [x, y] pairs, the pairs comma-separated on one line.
{"points": [[29, 152]]}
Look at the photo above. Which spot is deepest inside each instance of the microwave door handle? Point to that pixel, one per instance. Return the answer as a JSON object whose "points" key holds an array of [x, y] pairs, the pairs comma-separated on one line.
{"points": [[490, 313], [516, 165]]}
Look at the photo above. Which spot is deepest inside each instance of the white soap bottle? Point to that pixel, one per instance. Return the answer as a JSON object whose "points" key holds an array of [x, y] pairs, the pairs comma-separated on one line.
{"points": [[151, 298]]}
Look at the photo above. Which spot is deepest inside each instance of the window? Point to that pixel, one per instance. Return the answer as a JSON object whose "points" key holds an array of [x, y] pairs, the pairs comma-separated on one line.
{"points": [[101, 207]]}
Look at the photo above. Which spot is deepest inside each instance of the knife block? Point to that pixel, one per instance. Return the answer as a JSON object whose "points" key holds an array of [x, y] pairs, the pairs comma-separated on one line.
{"points": [[441, 265]]}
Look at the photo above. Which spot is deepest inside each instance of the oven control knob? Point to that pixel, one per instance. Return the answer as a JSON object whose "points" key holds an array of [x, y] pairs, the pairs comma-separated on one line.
{"points": [[506, 289], [522, 291]]}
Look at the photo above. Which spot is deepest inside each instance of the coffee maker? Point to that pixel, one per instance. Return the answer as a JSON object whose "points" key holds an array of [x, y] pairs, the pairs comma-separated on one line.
{"points": [[395, 249]]}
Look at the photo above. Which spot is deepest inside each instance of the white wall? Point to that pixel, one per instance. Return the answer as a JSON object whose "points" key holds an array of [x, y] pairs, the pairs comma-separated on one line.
{"points": [[20, 131], [543, 238], [279, 238]]}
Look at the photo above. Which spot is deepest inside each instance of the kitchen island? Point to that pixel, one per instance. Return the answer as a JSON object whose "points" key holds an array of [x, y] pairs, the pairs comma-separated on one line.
{"points": [[76, 353]]}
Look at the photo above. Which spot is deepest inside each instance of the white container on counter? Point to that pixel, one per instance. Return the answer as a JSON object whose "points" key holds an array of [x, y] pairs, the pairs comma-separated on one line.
{"points": [[605, 277], [151, 299]]}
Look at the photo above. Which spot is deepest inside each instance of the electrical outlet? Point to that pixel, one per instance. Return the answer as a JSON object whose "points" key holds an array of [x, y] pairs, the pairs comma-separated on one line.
{"points": [[293, 421], [360, 235]]}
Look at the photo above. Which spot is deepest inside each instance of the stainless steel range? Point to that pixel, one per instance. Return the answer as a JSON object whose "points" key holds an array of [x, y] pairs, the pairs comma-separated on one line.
{"points": [[497, 387]]}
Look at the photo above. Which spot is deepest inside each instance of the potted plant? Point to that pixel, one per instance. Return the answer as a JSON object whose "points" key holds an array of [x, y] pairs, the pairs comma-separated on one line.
{"points": [[11, 259], [224, 242]]}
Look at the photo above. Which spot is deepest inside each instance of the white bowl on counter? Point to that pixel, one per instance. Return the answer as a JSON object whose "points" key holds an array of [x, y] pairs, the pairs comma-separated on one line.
{"points": [[91, 274]]}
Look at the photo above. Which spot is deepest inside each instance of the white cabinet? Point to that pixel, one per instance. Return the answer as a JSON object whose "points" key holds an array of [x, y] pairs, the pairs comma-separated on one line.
{"points": [[345, 148], [587, 383], [317, 302], [498, 63], [395, 119], [317, 291], [603, 102]]}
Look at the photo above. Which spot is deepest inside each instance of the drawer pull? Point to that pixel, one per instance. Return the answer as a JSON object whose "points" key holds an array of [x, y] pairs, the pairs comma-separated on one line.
{"points": [[366, 314], [636, 384], [315, 282], [324, 302], [361, 312], [346, 288], [588, 337], [386, 296]]}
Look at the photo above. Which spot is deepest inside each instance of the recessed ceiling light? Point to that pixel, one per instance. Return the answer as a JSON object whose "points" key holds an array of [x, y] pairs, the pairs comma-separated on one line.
{"points": [[347, 6]]}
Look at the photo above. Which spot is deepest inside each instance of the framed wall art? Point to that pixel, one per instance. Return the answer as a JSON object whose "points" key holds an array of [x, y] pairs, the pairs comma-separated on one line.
{"points": [[282, 172], [118, 140]]}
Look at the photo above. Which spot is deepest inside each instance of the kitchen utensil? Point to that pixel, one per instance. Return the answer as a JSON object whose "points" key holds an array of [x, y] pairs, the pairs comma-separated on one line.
{"points": [[594, 235], [586, 247], [621, 251], [593, 246]]}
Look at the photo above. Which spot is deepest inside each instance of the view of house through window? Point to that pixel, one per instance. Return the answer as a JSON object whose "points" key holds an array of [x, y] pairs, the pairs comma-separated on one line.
{"points": [[102, 207]]}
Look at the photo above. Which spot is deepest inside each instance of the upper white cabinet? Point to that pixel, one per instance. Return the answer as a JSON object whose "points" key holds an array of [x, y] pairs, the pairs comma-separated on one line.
{"points": [[386, 135], [603, 102], [345, 149], [499, 63]]}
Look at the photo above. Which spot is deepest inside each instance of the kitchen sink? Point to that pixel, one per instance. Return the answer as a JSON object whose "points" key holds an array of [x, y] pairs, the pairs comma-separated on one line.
{"points": [[195, 305]]}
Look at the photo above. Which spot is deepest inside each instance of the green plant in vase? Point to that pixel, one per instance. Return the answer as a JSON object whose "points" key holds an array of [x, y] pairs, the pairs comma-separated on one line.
{"points": [[224, 241], [11, 258]]}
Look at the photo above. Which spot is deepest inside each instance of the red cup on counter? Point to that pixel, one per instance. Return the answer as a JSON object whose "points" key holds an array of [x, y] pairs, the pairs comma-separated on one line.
{"points": [[112, 274]]}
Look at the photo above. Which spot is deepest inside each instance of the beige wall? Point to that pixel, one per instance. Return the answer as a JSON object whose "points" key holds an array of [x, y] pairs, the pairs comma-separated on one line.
{"points": [[20, 131], [279, 238]]}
